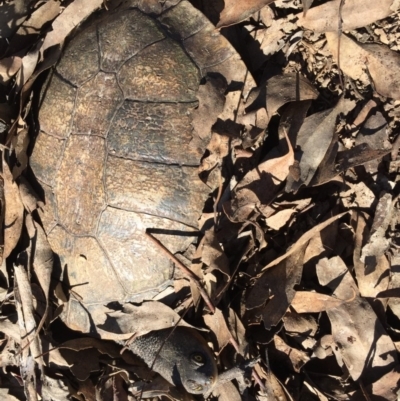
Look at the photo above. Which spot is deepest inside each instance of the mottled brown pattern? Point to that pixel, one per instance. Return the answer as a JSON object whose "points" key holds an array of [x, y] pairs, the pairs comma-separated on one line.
{"points": [[125, 165], [46, 157], [81, 58], [79, 189], [95, 105], [155, 132], [165, 190], [160, 73], [133, 31], [56, 112], [140, 268]]}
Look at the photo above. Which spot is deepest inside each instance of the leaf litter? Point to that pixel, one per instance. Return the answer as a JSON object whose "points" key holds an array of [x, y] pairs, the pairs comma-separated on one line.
{"points": [[299, 251]]}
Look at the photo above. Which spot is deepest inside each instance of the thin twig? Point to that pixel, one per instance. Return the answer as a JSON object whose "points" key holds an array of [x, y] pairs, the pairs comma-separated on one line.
{"points": [[340, 21], [218, 198], [184, 269]]}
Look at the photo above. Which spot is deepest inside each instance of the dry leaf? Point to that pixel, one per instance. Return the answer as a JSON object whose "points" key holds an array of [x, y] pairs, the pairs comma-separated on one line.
{"points": [[354, 13], [9, 67], [282, 89], [279, 219], [211, 103], [217, 324], [314, 140], [381, 62], [386, 388], [373, 273], [297, 358], [274, 291], [236, 11], [72, 16], [139, 320], [304, 239], [14, 212], [313, 302], [362, 342], [259, 186]]}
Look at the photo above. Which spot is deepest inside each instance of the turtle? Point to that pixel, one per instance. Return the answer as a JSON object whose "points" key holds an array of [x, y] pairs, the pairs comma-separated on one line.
{"points": [[116, 153]]}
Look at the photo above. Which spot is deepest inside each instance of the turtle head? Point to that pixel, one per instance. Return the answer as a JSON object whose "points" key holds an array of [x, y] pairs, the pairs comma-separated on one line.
{"points": [[195, 369]]}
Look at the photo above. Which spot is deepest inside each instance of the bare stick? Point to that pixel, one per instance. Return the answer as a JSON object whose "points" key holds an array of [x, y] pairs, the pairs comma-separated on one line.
{"points": [[184, 269]]}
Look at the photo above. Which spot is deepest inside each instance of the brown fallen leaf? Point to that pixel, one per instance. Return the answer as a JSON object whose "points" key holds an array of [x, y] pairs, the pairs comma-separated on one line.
{"points": [[217, 324], [363, 344], [279, 219], [211, 103], [304, 239], [314, 302], [9, 67], [314, 140], [302, 328], [72, 16], [282, 89], [30, 29], [135, 320], [385, 388], [273, 291], [363, 114], [259, 186], [354, 14], [297, 358], [273, 390], [336, 162], [372, 271], [14, 212], [374, 132], [236, 11], [238, 332], [381, 62], [227, 392]]}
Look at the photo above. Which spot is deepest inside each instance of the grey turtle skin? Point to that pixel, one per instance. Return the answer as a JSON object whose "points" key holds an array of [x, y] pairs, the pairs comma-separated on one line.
{"points": [[181, 357]]}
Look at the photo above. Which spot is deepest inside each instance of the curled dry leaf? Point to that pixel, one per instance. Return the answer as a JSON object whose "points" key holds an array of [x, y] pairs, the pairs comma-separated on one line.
{"points": [[31, 27], [72, 16], [313, 302], [14, 212], [362, 342], [211, 104], [9, 67], [217, 324], [373, 272], [354, 14], [236, 11], [274, 291], [259, 186], [314, 140], [304, 239], [356, 58], [282, 89], [139, 320], [377, 243], [383, 388], [297, 358]]}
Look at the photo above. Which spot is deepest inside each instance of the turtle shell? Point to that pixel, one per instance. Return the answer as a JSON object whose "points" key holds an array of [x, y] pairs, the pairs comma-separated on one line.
{"points": [[116, 153]]}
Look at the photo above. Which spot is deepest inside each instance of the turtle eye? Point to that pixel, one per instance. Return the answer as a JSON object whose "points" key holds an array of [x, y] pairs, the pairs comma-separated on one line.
{"points": [[198, 358]]}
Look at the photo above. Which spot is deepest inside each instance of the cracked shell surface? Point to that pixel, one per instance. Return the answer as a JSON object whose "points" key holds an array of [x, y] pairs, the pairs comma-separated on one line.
{"points": [[116, 154]]}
